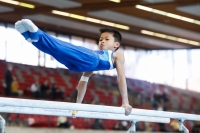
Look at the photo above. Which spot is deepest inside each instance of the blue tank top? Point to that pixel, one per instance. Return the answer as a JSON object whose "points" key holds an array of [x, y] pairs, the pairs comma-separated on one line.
{"points": [[105, 60]]}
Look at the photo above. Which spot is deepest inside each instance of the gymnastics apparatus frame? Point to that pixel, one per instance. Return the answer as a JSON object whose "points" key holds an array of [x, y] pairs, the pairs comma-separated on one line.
{"points": [[42, 107]]}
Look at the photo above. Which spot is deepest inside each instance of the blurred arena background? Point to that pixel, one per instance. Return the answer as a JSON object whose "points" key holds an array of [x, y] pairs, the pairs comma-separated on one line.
{"points": [[161, 40]]}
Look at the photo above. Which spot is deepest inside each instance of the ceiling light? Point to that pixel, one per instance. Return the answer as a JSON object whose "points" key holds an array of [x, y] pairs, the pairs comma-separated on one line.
{"points": [[170, 37], [124, 27], [26, 5], [144, 8], [77, 16], [187, 19], [197, 22], [160, 35], [60, 13], [107, 23], [18, 3], [168, 14], [159, 12], [117, 1], [182, 40], [173, 15], [10, 2], [92, 20], [147, 32], [194, 42]]}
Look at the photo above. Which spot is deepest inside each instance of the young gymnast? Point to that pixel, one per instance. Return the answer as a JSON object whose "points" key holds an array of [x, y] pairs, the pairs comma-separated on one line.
{"points": [[80, 59]]}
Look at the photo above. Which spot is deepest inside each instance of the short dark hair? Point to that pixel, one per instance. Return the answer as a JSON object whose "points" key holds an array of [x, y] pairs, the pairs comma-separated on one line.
{"points": [[116, 35]]}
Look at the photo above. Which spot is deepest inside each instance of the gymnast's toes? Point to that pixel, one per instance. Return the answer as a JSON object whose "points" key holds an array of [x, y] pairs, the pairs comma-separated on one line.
{"points": [[29, 25], [20, 27]]}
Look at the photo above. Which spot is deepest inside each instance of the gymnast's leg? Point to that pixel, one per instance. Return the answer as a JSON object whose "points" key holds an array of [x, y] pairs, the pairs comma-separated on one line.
{"points": [[76, 58]]}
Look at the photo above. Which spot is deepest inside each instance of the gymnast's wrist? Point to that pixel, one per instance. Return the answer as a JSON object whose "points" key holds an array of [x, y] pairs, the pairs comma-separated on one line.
{"points": [[84, 78], [125, 102]]}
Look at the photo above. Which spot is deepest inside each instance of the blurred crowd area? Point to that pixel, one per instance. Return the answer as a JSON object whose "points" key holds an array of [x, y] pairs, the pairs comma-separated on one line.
{"points": [[34, 82]]}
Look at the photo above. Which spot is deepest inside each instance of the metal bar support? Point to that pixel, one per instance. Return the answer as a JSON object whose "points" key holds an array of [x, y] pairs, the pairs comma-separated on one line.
{"points": [[2, 124], [182, 127]]}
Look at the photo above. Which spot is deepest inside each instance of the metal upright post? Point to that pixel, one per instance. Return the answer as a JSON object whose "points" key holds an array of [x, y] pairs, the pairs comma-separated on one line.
{"points": [[182, 127], [132, 129], [2, 124]]}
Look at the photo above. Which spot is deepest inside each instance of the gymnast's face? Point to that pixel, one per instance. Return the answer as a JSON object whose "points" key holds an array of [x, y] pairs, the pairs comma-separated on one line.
{"points": [[107, 42]]}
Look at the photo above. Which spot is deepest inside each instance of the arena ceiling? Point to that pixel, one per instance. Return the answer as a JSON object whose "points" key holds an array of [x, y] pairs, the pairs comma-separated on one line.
{"points": [[149, 24]]}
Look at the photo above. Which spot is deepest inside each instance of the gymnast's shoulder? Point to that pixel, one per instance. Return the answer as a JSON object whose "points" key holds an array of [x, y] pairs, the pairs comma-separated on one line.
{"points": [[118, 56]]}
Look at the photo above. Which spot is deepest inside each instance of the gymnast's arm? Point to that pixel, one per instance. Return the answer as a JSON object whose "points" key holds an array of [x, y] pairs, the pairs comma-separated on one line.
{"points": [[119, 63], [82, 85]]}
